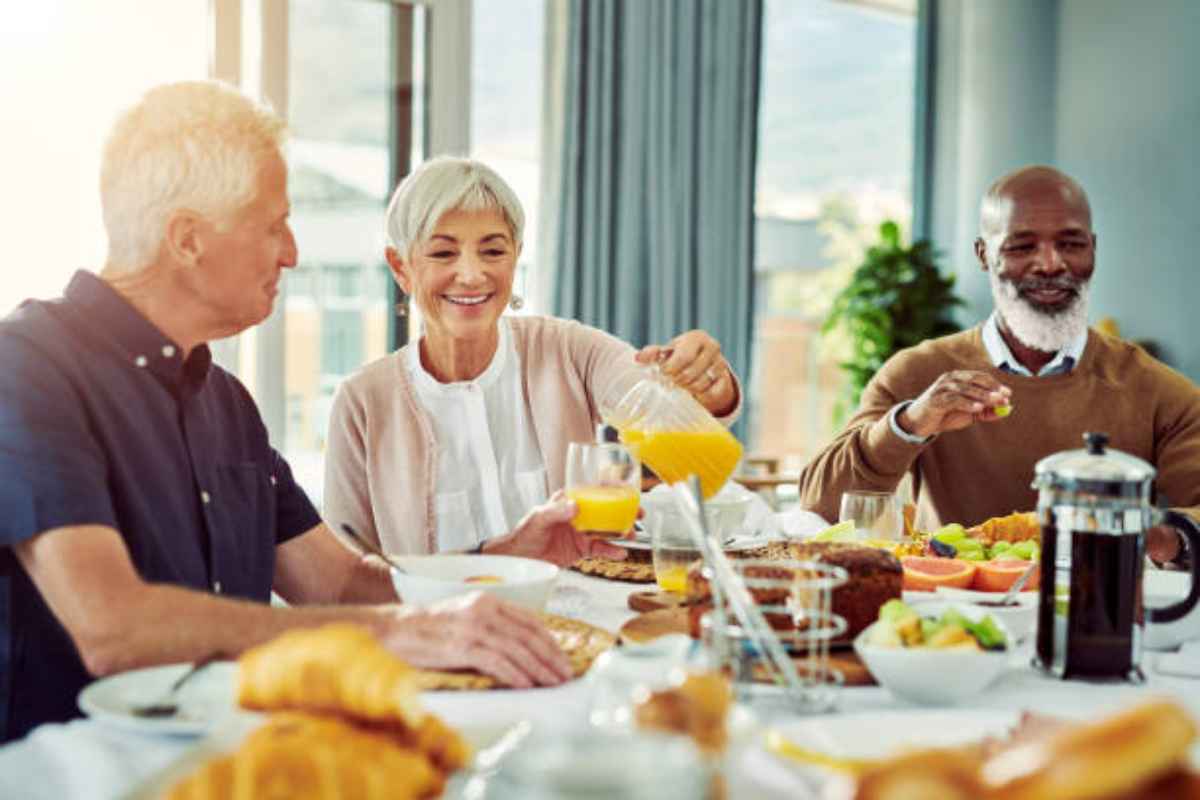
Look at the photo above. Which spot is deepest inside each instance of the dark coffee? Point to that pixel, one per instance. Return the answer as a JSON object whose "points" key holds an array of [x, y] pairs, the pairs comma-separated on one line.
{"points": [[1103, 586]]}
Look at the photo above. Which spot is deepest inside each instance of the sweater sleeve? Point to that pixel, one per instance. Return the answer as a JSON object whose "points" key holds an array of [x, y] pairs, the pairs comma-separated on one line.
{"points": [[1177, 444], [347, 490], [867, 454]]}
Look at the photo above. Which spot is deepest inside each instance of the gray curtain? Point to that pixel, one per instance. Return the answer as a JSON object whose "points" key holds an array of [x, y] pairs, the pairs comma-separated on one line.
{"points": [[656, 215]]}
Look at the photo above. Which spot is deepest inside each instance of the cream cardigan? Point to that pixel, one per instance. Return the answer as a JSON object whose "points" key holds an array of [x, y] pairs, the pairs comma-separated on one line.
{"points": [[381, 454]]}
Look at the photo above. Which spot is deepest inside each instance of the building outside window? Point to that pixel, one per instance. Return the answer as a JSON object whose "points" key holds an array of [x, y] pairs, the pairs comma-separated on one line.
{"points": [[835, 159]]}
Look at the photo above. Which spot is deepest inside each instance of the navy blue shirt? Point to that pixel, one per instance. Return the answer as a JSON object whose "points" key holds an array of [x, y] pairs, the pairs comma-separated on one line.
{"points": [[103, 422]]}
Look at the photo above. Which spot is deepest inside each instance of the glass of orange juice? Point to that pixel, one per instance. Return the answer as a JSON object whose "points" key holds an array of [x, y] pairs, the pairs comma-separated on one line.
{"points": [[673, 551], [605, 482]]}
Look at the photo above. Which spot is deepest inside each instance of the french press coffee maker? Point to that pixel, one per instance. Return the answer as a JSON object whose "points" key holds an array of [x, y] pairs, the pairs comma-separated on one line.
{"points": [[1094, 506]]}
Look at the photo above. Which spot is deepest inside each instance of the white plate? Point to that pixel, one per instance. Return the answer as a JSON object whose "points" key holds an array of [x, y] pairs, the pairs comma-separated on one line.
{"points": [[890, 732], [206, 699], [739, 543]]}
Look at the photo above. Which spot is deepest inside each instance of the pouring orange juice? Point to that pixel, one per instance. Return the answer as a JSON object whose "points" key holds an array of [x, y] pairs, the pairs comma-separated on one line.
{"points": [[604, 481], [667, 430]]}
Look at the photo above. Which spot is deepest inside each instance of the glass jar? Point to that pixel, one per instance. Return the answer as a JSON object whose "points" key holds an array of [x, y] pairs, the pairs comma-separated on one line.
{"points": [[665, 428]]}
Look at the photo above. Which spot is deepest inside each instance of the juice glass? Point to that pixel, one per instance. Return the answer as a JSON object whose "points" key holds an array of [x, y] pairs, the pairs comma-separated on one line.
{"points": [[665, 428], [604, 480], [673, 551]]}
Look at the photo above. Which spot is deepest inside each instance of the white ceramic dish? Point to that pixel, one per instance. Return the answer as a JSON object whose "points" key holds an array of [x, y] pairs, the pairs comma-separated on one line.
{"points": [[1161, 588], [427, 579], [929, 676], [206, 699]]}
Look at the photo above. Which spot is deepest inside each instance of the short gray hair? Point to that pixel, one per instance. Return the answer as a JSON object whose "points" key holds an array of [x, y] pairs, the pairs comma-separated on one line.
{"points": [[197, 145], [445, 184]]}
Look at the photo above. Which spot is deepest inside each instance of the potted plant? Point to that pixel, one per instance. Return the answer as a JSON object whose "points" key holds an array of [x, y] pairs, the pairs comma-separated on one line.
{"points": [[896, 298]]}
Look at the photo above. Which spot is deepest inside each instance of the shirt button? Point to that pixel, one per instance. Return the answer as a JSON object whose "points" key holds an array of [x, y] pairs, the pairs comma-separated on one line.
{"points": [[168, 350], [205, 497], [141, 361], [216, 587]]}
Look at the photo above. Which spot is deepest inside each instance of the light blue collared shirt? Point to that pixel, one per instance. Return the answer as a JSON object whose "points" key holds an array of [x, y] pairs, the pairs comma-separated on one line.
{"points": [[1002, 358]]}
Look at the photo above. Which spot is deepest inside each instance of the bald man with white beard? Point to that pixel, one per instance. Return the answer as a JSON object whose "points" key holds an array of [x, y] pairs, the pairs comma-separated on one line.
{"points": [[931, 410]]}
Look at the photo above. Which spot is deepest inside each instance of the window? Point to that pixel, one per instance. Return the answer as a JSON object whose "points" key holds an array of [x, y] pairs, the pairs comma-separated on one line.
{"points": [[834, 160], [506, 112], [70, 66]]}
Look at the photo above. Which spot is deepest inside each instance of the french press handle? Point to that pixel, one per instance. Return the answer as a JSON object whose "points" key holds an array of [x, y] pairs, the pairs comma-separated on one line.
{"points": [[1186, 526]]}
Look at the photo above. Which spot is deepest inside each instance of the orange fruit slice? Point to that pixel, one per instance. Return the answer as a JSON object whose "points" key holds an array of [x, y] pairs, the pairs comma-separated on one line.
{"points": [[922, 574], [997, 576]]}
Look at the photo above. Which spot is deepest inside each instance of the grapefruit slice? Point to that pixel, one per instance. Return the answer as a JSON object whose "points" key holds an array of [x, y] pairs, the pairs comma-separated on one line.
{"points": [[997, 576], [922, 574]]}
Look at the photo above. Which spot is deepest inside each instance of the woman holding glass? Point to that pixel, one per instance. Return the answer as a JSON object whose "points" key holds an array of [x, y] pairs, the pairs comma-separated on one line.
{"points": [[460, 437]]}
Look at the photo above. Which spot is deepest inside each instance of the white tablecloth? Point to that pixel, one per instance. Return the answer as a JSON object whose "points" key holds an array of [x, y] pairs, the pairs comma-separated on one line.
{"points": [[89, 759]]}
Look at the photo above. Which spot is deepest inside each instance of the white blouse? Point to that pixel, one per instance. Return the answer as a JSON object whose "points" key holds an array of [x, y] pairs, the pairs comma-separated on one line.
{"points": [[490, 470]]}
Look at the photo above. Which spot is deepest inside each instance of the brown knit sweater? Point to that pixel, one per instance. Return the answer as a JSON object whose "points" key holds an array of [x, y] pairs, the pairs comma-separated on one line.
{"points": [[967, 476]]}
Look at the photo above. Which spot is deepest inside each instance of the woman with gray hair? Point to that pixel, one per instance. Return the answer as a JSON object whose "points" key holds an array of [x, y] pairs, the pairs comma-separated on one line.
{"points": [[462, 435]]}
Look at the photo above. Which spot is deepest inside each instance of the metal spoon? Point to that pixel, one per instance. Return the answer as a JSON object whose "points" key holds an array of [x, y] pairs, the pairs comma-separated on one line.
{"points": [[371, 548], [166, 706]]}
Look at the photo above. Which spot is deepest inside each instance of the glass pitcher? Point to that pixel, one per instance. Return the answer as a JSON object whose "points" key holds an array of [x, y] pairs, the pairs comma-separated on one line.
{"points": [[664, 427]]}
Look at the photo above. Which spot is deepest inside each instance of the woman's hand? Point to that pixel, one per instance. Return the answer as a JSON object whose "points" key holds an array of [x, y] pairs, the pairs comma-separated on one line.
{"points": [[693, 361], [546, 533]]}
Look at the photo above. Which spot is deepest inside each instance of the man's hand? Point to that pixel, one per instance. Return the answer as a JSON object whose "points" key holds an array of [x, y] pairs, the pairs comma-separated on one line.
{"points": [[1162, 544], [954, 401], [479, 631], [693, 361], [546, 533]]}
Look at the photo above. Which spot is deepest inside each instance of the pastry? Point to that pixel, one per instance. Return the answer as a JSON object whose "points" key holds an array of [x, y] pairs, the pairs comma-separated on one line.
{"points": [[335, 669]]}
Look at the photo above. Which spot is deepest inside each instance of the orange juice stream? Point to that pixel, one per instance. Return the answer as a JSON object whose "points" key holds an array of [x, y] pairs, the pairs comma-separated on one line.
{"points": [[612, 509], [712, 455]]}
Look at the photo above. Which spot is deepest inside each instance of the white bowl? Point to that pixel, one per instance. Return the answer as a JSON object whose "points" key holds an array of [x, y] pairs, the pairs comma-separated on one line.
{"points": [[929, 676], [1020, 619], [427, 579]]}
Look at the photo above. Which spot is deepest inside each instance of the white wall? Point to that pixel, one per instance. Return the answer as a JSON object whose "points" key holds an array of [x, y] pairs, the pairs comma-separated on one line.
{"points": [[1107, 90]]}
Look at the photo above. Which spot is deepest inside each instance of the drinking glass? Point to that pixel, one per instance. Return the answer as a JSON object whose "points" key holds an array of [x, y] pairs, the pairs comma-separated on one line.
{"points": [[673, 551], [605, 481], [876, 515]]}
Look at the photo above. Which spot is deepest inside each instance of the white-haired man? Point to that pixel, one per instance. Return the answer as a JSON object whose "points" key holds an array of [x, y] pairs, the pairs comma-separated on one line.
{"points": [[146, 516], [931, 410]]}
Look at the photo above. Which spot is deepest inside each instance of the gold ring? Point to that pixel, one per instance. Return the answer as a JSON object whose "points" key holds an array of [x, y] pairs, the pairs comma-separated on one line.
{"points": [[712, 376]]}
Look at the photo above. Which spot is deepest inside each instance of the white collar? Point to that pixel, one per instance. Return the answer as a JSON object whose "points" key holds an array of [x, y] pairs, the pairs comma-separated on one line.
{"points": [[1002, 358], [489, 376]]}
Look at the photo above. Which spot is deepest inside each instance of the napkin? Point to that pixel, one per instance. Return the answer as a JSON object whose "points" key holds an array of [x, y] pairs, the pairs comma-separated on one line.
{"points": [[1185, 663]]}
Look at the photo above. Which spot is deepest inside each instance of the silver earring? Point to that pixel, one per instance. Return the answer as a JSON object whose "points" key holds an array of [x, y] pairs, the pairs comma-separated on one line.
{"points": [[516, 302], [402, 306]]}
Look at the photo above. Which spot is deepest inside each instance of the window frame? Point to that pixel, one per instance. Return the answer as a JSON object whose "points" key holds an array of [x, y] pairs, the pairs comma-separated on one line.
{"points": [[447, 130]]}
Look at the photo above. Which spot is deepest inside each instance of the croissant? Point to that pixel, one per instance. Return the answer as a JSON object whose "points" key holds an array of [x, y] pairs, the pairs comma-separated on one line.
{"points": [[303, 757], [336, 669], [1016, 527]]}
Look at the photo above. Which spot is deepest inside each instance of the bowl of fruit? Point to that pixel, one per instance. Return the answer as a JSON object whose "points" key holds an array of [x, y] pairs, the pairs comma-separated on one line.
{"points": [[934, 659], [987, 558]]}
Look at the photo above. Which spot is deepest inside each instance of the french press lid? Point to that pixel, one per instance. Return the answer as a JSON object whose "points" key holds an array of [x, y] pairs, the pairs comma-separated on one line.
{"points": [[1095, 470]]}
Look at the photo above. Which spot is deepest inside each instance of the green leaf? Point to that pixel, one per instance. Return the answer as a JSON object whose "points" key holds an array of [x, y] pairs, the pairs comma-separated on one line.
{"points": [[896, 298]]}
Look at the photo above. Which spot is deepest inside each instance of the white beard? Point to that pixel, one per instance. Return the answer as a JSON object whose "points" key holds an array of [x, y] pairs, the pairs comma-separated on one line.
{"points": [[1047, 332]]}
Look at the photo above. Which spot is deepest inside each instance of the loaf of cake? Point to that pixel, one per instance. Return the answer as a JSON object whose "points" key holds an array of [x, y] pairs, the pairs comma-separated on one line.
{"points": [[874, 577]]}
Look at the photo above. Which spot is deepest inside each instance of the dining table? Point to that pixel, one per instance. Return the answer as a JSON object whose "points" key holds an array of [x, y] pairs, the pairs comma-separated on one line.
{"points": [[91, 758]]}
